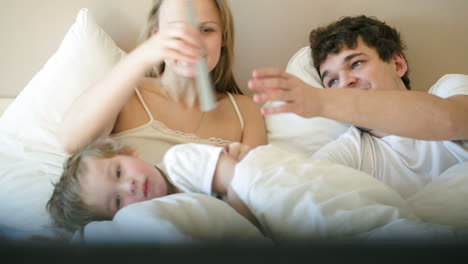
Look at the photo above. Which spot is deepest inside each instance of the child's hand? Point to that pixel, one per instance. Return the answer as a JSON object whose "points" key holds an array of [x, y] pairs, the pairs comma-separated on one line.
{"points": [[237, 150]]}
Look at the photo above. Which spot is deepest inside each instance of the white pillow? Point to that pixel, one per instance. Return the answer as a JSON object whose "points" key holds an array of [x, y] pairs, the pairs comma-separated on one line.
{"points": [[84, 56], [295, 133], [4, 102], [30, 157], [178, 218]]}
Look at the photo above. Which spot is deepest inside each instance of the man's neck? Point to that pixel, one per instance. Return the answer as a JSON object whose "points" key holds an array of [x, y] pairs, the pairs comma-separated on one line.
{"points": [[374, 133]]}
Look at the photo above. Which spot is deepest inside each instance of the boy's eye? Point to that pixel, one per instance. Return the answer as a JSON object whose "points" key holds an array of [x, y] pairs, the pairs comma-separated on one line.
{"points": [[356, 64], [118, 201], [332, 82]]}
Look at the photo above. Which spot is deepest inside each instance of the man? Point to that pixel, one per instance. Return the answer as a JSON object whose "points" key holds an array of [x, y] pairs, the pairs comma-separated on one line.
{"points": [[404, 138]]}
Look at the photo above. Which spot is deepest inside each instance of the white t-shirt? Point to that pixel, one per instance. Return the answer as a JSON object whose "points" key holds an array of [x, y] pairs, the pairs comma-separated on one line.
{"points": [[405, 164], [191, 167]]}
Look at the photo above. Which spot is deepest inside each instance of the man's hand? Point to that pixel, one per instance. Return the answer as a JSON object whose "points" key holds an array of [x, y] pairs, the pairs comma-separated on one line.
{"points": [[272, 84]]}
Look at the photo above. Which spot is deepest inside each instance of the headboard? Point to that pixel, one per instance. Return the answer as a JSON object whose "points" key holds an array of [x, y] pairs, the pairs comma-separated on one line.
{"points": [[268, 32]]}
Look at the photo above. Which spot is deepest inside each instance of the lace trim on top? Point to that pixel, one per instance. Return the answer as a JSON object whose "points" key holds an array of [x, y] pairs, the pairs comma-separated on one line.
{"points": [[192, 137], [161, 127]]}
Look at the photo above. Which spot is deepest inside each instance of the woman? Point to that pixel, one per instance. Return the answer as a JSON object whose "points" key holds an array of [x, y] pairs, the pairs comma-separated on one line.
{"points": [[149, 100]]}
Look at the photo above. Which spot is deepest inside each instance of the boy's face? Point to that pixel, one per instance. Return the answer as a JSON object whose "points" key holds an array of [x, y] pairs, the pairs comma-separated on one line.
{"points": [[112, 183], [362, 68]]}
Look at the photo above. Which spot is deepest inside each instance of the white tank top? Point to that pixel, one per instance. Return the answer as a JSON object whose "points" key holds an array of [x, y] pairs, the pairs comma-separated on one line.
{"points": [[153, 139]]}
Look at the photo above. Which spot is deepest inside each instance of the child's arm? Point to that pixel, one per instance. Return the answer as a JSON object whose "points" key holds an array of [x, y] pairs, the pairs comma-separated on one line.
{"points": [[224, 173], [206, 169], [237, 150], [227, 161], [222, 178]]}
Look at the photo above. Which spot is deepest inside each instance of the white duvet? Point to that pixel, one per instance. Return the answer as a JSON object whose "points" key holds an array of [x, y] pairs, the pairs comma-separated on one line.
{"points": [[293, 197], [297, 198]]}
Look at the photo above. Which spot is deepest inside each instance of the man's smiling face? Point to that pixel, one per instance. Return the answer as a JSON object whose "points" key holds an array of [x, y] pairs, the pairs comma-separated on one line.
{"points": [[362, 68]]}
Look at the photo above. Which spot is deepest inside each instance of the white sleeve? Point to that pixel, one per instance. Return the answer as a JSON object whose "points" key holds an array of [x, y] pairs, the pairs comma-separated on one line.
{"points": [[450, 85], [345, 150], [190, 167]]}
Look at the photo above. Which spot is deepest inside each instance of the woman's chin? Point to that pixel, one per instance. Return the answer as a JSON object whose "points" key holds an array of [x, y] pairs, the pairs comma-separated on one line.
{"points": [[187, 72]]}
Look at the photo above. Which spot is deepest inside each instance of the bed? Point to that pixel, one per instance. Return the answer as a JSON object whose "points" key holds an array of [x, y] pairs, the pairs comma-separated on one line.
{"points": [[30, 159]]}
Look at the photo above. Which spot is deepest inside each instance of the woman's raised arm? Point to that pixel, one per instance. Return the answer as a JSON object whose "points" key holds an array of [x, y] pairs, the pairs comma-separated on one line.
{"points": [[94, 113]]}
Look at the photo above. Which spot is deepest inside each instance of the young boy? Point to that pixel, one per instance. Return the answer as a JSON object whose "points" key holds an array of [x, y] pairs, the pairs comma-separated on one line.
{"points": [[106, 176]]}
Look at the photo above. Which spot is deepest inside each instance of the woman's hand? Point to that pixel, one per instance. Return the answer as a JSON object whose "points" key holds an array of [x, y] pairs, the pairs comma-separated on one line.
{"points": [[178, 42]]}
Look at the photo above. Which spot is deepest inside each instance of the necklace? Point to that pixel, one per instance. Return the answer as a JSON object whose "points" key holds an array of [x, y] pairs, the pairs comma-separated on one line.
{"points": [[199, 123], [194, 131]]}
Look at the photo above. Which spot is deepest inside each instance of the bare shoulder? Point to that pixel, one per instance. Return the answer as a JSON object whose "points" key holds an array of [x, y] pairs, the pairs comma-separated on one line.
{"points": [[254, 133], [246, 103], [131, 116]]}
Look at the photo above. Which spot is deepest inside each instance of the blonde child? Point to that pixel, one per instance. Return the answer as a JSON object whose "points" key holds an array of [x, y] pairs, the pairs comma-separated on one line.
{"points": [[107, 176]]}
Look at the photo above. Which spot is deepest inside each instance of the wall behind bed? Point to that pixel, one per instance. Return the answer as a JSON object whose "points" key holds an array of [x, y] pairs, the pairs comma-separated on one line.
{"points": [[268, 32]]}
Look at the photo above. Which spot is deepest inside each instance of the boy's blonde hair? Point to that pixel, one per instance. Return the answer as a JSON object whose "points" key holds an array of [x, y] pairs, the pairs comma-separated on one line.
{"points": [[66, 205]]}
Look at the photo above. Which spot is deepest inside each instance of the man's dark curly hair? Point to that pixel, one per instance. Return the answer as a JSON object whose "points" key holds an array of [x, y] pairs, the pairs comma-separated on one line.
{"points": [[346, 31]]}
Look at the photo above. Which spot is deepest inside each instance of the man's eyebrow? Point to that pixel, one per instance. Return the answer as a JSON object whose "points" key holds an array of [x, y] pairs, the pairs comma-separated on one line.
{"points": [[351, 56], [345, 60]]}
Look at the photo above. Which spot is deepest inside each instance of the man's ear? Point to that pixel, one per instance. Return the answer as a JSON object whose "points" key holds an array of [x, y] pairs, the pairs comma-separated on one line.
{"points": [[401, 66]]}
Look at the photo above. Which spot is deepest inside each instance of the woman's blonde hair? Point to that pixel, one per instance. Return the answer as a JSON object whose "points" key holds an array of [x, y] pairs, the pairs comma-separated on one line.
{"points": [[222, 75], [66, 205]]}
